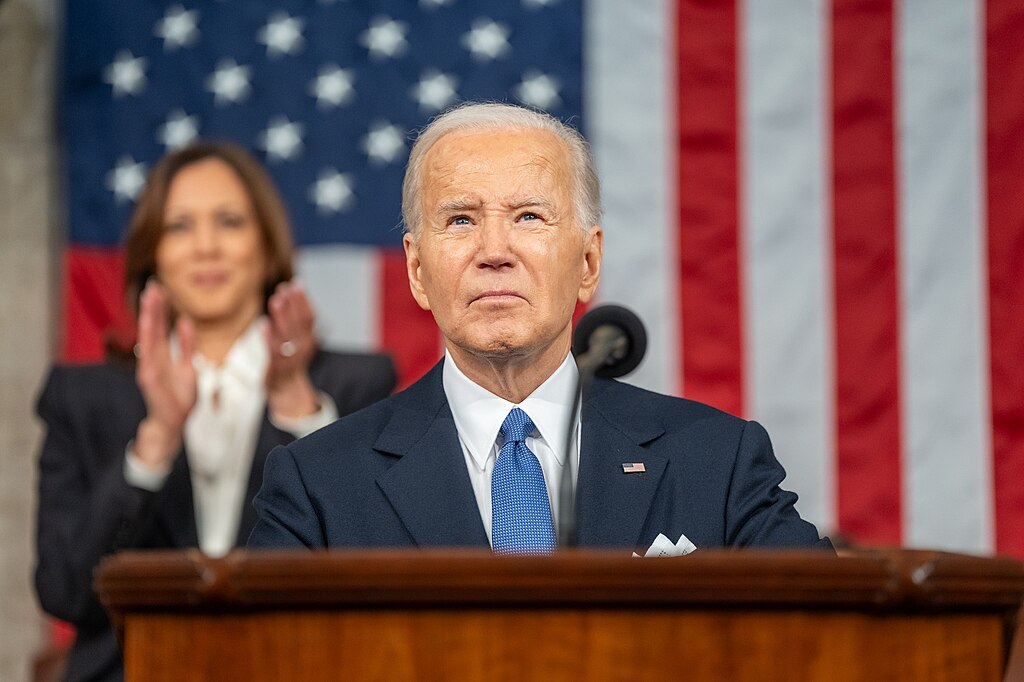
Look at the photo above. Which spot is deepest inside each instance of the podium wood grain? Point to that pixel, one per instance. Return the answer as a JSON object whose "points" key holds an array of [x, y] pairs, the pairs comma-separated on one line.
{"points": [[572, 616]]}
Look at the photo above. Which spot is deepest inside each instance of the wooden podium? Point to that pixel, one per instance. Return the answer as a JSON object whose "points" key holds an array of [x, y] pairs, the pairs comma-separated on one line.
{"points": [[577, 615]]}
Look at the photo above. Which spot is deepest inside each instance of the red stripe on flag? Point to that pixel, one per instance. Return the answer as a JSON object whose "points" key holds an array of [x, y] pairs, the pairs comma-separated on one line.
{"points": [[1005, 153], [708, 167], [93, 302], [866, 293], [408, 332]]}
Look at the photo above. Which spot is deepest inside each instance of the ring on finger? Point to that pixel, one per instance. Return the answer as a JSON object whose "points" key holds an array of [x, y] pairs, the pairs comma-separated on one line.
{"points": [[288, 348]]}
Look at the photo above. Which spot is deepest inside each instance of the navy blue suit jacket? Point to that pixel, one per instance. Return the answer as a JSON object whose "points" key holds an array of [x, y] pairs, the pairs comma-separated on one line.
{"points": [[394, 475]]}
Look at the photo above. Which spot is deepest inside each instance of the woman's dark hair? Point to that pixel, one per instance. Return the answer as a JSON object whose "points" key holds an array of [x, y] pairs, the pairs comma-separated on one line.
{"points": [[147, 223]]}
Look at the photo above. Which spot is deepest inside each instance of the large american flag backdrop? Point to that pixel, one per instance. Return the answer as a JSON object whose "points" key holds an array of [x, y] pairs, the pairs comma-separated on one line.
{"points": [[816, 207]]}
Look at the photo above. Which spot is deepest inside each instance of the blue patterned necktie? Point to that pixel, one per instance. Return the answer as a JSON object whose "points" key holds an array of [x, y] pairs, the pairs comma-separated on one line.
{"points": [[520, 510]]}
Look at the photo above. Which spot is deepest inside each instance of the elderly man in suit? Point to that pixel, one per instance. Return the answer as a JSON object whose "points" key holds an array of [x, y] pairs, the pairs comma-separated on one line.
{"points": [[501, 206]]}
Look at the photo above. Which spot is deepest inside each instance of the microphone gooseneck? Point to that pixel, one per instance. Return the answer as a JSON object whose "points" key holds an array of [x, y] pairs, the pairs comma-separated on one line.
{"points": [[609, 341]]}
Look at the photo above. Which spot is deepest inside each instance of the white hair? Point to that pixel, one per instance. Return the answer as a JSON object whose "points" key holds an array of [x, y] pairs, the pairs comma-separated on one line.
{"points": [[586, 191]]}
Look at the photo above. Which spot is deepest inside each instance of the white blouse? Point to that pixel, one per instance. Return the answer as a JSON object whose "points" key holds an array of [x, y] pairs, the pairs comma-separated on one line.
{"points": [[220, 437]]}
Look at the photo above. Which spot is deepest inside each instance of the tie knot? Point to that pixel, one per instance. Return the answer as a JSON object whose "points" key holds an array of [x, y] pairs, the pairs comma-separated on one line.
{"points": [[517, 426]]}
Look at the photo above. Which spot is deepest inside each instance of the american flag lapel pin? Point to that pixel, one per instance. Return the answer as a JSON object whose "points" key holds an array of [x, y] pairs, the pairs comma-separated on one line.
{"points": [[633, 468]]}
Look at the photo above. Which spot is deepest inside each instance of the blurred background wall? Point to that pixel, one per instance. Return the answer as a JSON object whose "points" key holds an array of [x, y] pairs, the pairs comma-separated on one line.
{"points": [[28, 241]]}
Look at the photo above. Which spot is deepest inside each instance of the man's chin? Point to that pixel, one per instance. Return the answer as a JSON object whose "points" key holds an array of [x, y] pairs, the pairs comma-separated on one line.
{"points": [[494, 346], [498, 349]]}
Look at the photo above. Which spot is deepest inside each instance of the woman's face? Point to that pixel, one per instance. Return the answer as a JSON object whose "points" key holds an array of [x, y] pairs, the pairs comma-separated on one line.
{"points": [[211, 256]]}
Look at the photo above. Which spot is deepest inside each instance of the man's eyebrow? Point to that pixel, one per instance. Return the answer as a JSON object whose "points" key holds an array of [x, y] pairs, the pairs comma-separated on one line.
{"points": [[538, 202], [458, 204]]}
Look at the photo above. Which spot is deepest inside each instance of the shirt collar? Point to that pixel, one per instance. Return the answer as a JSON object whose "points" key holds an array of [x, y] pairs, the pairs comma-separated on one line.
{"points": [[478, 413], [246, 361]]}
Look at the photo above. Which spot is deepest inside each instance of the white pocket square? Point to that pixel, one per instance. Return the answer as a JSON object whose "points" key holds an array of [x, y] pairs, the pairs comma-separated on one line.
{"points": [[662, 546]]}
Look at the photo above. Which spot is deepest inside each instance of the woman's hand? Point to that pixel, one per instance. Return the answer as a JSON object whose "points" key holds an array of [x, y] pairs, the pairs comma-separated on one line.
{"points": [[291, 341], [168, 386]]}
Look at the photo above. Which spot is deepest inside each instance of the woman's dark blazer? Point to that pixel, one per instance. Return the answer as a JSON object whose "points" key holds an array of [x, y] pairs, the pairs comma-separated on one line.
{"points": [[87, 510]]}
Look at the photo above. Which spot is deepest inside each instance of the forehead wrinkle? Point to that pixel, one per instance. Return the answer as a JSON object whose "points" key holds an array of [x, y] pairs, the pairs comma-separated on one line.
{"points": [[452, 169], [458, 204], [444, 170]]}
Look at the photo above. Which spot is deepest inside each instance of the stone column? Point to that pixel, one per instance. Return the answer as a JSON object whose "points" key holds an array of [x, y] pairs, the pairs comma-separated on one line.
{"points": [[29, 251]]}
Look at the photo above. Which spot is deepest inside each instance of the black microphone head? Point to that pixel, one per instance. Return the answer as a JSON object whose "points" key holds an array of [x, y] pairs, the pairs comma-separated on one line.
{"points": [[625, 321]]}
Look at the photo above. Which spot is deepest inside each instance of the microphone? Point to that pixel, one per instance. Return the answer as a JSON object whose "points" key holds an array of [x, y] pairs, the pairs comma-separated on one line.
{"points": [[609, 342]]}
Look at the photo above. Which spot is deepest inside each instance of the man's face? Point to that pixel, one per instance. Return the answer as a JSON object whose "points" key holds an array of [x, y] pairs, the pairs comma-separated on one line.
{"points": [[499, 258]]}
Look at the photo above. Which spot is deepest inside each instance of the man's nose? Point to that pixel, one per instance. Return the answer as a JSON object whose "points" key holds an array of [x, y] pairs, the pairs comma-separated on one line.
{"points": [[495, 248]]}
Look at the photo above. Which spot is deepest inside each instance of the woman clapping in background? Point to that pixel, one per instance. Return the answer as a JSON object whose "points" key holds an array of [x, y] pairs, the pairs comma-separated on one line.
{"points": [[170, 454]]}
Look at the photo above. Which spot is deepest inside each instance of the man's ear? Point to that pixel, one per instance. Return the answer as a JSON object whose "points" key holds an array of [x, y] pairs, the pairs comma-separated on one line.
{"points": [[412, 268], [593, 252]]}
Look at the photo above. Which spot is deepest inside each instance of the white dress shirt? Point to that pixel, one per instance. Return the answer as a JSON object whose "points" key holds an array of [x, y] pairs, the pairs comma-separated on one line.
{"points": [[220, 437], [478, 417]]}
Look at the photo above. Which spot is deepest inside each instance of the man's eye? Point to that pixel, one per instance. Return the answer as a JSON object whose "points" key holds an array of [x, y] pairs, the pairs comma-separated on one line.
{"points": [[459, 220], [529, 216]]}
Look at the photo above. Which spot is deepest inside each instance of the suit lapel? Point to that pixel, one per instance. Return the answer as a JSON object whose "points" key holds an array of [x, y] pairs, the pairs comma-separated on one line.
{"points": [[429, 486], [177, 507], [269, 438], [612, 504]]}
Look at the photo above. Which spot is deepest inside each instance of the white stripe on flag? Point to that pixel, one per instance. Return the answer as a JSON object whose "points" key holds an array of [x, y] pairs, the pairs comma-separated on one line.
{"points": [[947, 443], [629, 117], [787, 244], [343, 281]]}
